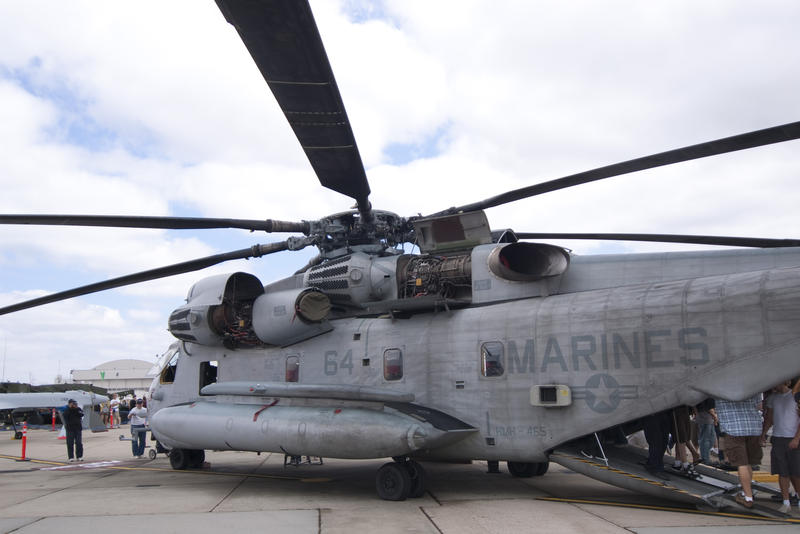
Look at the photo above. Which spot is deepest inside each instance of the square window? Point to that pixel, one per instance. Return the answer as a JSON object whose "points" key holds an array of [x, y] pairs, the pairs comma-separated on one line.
{"points": [[392, 364], [492, 359]]}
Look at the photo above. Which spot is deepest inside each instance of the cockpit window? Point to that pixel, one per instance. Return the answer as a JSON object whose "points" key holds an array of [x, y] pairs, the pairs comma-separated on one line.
{"points": [[163, 360], [168, 373], [492, 359]]}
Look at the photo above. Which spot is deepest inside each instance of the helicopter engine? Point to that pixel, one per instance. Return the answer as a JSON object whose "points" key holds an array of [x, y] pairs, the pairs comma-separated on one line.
{"points": [[355, 278], [286, 317], [527, 262], [361, 280], [236, 310], [233, 310]]}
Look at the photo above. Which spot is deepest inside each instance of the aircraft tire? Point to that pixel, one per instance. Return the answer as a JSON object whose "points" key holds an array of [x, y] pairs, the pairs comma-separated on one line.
{"points": [[393, 482], [522, 469], [152, 454], [195, 458], [417, 474], [541, 468], [178, 459]]}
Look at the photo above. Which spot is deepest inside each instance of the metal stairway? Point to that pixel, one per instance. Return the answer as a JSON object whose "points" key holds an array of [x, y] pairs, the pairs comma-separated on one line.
{"points": [[623, 466]]}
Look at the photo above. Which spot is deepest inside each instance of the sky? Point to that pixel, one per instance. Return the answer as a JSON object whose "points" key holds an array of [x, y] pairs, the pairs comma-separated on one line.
{"points": [[155, 108]]}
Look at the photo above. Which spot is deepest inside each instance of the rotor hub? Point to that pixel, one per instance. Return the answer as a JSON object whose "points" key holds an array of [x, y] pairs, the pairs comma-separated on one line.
{"points": [[346, 232]]}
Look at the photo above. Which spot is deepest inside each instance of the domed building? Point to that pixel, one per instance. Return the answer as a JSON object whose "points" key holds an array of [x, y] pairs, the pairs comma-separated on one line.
{"points": [[117, 375]]}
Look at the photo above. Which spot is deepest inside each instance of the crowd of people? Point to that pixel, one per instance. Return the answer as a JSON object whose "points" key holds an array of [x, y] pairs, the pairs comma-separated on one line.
{"points": [[737, 431], [116, 410]]}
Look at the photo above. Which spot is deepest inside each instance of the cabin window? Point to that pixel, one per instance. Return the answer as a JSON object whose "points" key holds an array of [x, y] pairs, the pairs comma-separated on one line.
{"points": [[168, 373], [392, 364], [292, 368], [492, 359], [208, 373]]}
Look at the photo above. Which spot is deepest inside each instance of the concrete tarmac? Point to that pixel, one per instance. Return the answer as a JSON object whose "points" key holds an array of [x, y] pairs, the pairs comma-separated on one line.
{"points": [[111, 490]]}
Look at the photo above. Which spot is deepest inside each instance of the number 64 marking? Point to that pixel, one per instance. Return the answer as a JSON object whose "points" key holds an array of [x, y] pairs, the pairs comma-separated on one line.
{"points": [[332, 364]]}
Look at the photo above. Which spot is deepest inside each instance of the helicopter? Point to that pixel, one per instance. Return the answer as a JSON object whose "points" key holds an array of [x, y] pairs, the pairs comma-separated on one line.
{"points": [[481, 346]]}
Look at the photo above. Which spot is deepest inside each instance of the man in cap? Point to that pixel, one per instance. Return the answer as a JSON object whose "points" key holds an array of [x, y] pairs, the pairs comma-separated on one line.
{"points": [[73, 427], [138, 419]]}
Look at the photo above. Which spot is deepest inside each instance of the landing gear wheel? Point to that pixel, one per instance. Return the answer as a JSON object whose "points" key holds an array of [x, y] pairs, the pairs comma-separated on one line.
{"points": [[152, 454], [522, 469], [541, 468], [417, 475], [393, 482], [178, 459], [195, 458]]}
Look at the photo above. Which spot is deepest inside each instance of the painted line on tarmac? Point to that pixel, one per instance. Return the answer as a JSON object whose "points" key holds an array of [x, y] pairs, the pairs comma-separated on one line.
{"points": [[80, 466], [668, 509], [764, 477], [6, 457], [112, 464], [221, 473]]}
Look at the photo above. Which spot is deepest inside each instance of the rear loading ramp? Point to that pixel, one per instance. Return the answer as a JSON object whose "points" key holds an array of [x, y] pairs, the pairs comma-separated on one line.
{"points": [[623, 466]]}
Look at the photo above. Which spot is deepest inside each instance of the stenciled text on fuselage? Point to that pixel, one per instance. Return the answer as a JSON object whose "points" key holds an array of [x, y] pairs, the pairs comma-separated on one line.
{"points": [[589, 352]]}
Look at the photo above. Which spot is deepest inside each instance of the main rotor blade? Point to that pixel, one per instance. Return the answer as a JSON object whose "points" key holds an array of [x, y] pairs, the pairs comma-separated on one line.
{"points": [[670, 238], [174, 223], [283, 39], [162, 272], [767, 136]]}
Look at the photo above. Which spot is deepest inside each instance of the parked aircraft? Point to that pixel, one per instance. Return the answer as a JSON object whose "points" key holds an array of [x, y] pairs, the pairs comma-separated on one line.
{"points": [[482, 346], [14, 404]]}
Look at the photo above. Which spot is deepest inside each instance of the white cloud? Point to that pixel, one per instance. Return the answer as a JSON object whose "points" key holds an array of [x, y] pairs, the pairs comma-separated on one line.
{"points": [[152, 108]]}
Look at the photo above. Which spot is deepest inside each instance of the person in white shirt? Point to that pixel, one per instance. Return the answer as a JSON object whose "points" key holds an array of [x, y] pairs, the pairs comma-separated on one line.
{"points": [[782, 414], [138, 419], [114, 405]]}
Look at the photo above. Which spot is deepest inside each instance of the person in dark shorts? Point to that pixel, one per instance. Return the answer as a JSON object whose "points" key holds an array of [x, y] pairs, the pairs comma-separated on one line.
{"points": [[782, 414], [740, 426], [682, 435]]}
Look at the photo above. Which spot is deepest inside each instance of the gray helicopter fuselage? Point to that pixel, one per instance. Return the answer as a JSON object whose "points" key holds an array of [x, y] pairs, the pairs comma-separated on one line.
{"points": [[610, 340]]}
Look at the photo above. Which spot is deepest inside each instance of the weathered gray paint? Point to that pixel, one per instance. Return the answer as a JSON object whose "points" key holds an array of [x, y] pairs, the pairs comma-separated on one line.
{"points": [[684, 327]]}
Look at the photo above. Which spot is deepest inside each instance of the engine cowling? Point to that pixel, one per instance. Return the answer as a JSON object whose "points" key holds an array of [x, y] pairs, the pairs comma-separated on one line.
{"points": [[232, 310], [355, 279], [286, 317], [527, 262], [218, 311]]}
